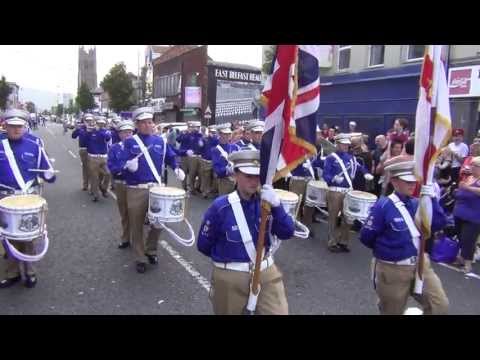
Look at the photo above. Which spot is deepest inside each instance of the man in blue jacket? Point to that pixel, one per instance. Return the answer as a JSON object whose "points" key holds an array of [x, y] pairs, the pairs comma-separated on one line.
{"points": [[80, 132], [228, 236], [391, 233], [116, 164], [206, 167], [222, 169], [145, 155], [18, 156], [339, 171], [98, 142]]}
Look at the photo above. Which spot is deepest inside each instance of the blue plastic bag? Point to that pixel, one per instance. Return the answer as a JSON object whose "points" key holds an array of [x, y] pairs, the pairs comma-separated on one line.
{"points": [[444, 250]]}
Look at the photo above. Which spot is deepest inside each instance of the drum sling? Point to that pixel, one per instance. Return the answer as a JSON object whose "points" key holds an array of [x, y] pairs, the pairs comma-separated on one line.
{"points": [[148, 158]]}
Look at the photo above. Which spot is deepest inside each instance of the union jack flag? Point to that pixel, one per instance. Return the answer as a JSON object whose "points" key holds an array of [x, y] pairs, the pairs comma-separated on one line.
{"points": [[292, 97]]}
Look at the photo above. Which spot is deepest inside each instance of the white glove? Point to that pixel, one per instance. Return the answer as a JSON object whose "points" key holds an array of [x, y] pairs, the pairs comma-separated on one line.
{"points": [[229, 169], [269, 195], [189, 153], [49, 174], [338, 179], [132, 165], [427, 190], [306, 165], [200, 143], [368, 177], [179, 174]]}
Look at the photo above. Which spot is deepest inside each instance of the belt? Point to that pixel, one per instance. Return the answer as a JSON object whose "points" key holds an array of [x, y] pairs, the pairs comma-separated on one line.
{"points": [[116, 181], [143, 186], [82, 148], [307, 178], [339, 189], [408, 261], [31, 190], [98, 155], [244, 266]]}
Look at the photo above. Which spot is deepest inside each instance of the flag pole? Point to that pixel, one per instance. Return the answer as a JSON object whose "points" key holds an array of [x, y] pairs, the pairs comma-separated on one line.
{"points": [[265, 212]]}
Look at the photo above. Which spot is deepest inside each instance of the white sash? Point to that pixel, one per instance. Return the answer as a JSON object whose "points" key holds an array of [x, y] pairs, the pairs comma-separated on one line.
{"points": [[14, 166], [148, 158], [222, 152], [344, 170], [247, 240], [407, 218]]}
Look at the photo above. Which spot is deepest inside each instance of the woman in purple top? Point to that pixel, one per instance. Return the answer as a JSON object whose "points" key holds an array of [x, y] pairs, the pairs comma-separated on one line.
{"points": [[467, 215]]}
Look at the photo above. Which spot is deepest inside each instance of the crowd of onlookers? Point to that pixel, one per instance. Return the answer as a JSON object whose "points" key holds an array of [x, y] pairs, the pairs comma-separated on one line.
{"points": [[456, 178]]}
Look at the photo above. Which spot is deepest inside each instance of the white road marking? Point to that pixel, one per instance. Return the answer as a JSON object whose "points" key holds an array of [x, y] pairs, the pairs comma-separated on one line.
{"points": [[112, 195], [413, 311], [71, 153], [51, 133], [470, 274], [190, 269]]}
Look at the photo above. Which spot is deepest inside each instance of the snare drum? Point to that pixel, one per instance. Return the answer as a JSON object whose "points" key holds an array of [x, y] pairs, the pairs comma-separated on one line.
{"points": [[289, 201], [357, 204], [23, 217], [166, 204], [316, 195]]}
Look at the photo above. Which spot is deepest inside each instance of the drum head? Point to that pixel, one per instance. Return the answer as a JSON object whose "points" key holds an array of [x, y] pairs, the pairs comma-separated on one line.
{"points": [[320, 184], [363, 195], [165, 190], [286, 195], [22, 202]]}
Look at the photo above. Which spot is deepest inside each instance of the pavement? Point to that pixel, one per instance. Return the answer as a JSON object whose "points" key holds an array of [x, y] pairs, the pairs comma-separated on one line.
{"points": [[84, 272]]}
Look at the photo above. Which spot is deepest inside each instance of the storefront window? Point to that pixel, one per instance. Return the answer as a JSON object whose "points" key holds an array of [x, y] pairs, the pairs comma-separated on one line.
{"points": [[377, 55], [344, 56], [415, 52]]}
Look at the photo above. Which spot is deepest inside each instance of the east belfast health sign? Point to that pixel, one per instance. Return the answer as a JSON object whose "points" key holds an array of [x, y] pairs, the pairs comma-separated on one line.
{"points": [[464, 81]]}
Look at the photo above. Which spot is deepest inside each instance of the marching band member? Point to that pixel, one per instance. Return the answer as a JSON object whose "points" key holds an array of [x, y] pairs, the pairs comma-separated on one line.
{"points": [[97, 147], [228, 235], [81, 132], [190, 150], [340, 169], [145, 155], [256, 130], [221, 167], [391, 233], [206, 167], [246, 140], [18, 157], [116, 166]]}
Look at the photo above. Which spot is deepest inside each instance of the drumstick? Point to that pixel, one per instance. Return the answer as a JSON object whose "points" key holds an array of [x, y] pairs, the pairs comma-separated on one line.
{"points": [[41, 170]]}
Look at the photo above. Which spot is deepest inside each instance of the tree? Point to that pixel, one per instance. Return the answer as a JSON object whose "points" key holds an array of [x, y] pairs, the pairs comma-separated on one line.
{"points": [[84, 99], [5, 91], [59, 110], [30, 106], [143, 82], [268, 58], [119, 87]]}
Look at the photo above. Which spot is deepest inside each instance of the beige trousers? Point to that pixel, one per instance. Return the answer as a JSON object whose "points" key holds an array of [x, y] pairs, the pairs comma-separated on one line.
{"points": [[121, 193], [84, 159], [99, 175], [336, 234], [193, 166], [299, 187], [206, 175], [394, 284], [13, 266], [230, 290], [137, 200], [226, 185]]}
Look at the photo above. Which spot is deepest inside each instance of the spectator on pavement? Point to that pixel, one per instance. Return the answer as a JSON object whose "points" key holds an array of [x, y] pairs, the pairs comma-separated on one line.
{"points": [[459, 151]]}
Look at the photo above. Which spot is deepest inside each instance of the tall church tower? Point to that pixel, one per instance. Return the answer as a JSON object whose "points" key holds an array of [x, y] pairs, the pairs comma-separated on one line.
{"points": [[87, 67]]}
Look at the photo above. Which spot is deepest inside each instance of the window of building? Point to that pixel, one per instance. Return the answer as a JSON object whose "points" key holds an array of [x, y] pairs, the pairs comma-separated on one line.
{"points": [[376, 55], [415, 52], [344, 57]]}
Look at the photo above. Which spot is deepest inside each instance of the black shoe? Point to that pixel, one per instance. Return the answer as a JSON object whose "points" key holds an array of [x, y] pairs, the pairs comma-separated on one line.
{"points": [[335, 249], [5, 283], [124, 245], [95, 199], [312, 234], [105, 194], [152, 259], [344, 248], [31, 281], [84, 189], [141, 267]]}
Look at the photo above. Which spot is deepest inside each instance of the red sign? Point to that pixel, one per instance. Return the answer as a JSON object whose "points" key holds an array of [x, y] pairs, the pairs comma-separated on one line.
{"points": [[460, 81]]}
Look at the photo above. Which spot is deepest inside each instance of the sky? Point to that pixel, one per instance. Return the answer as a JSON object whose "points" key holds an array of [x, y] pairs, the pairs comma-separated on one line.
{"points": [[55, 67]]}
